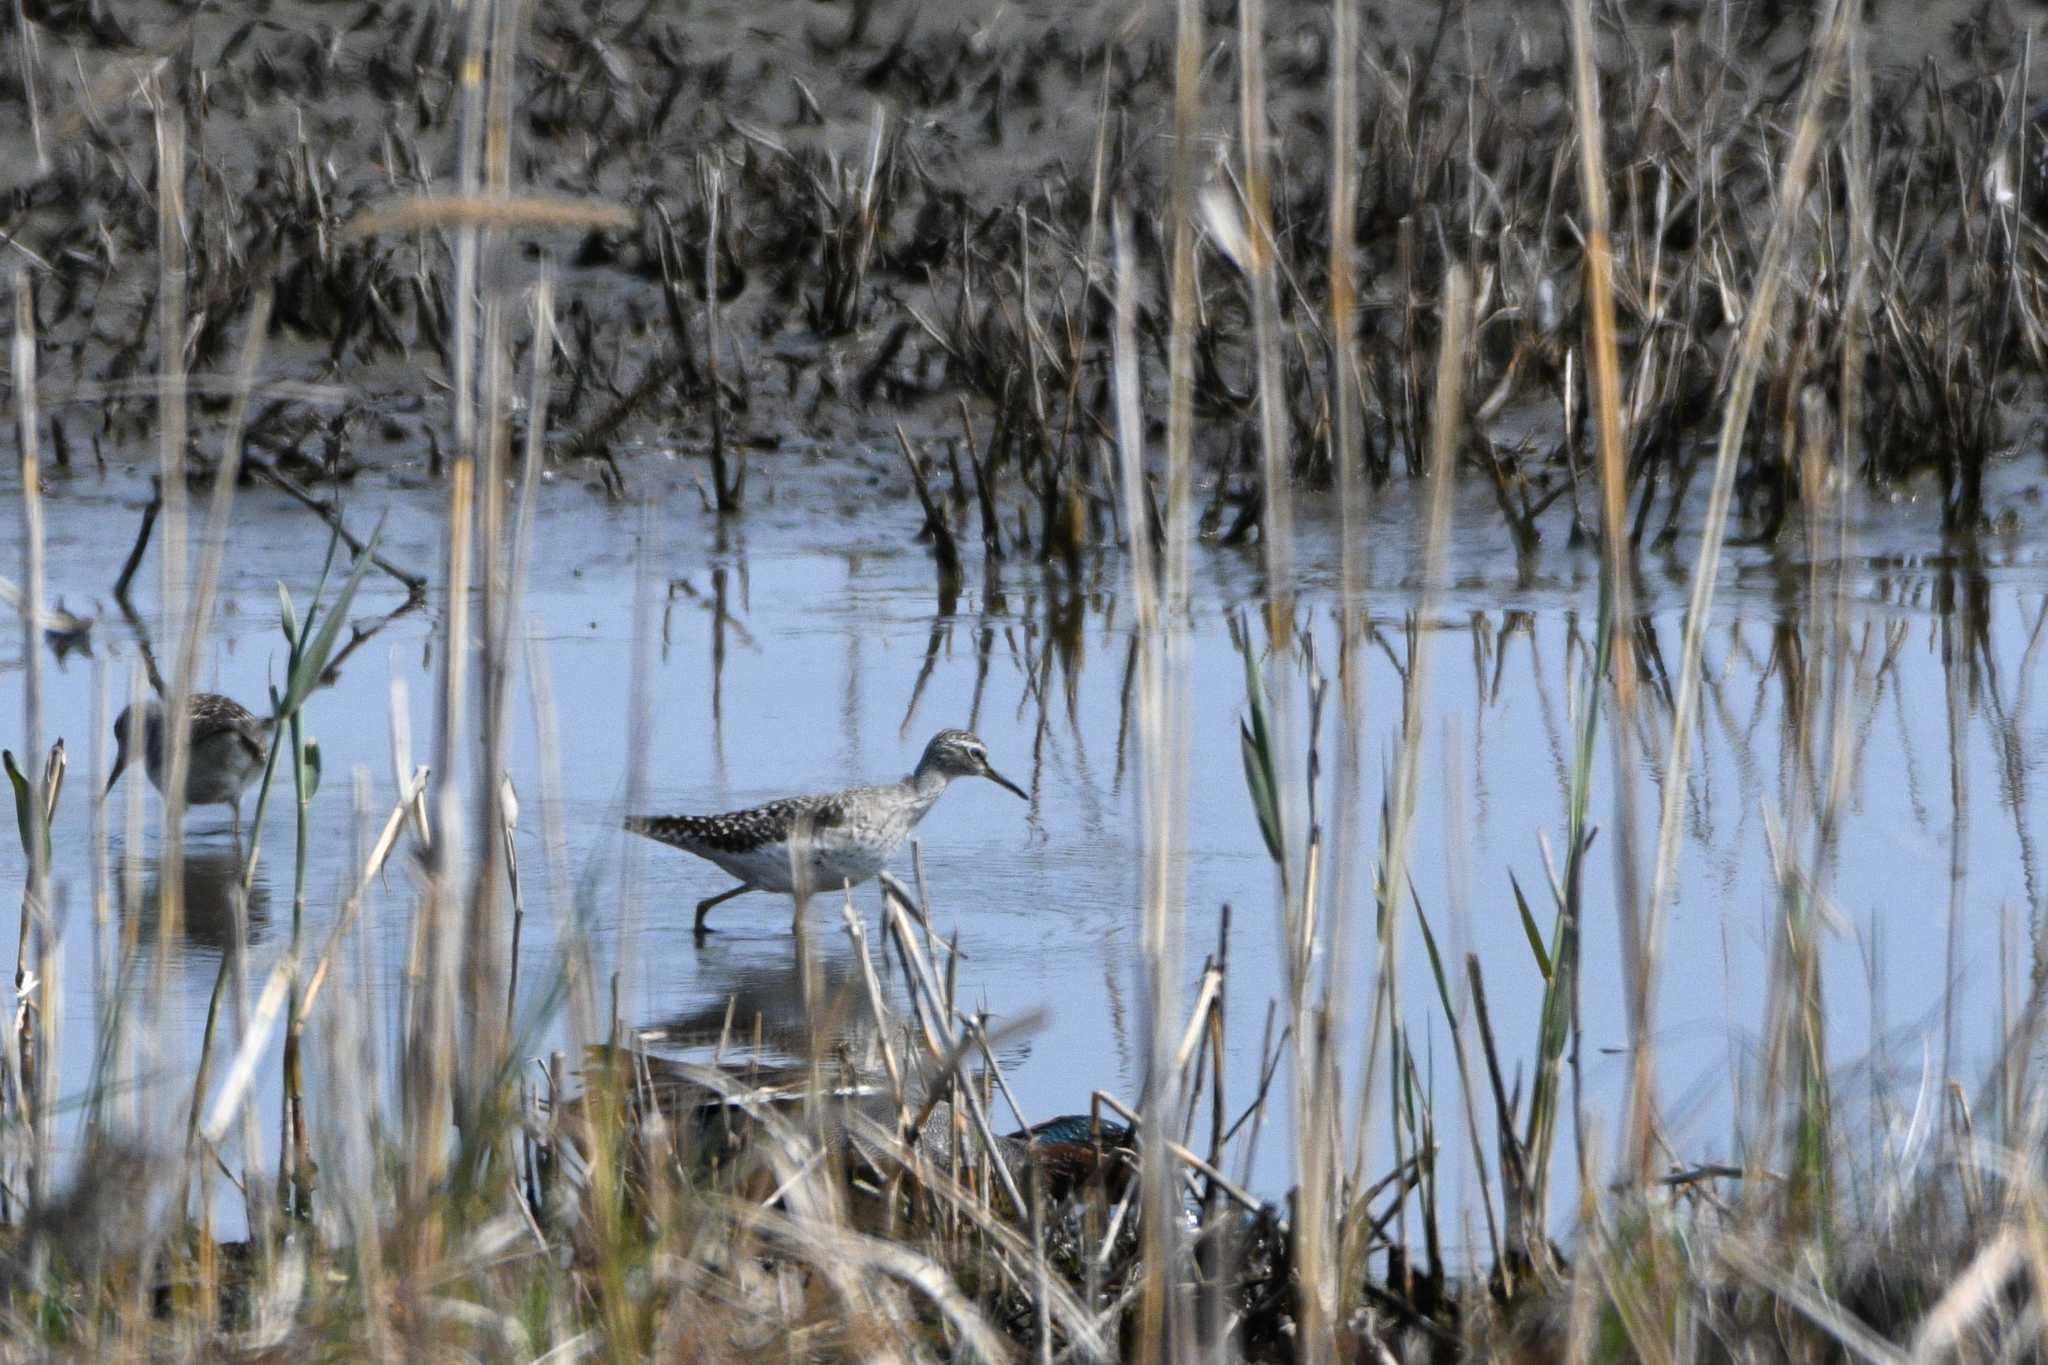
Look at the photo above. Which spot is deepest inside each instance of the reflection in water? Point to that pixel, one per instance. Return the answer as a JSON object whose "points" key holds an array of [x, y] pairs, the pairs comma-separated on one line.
{"points": [[212, 876], [794, 999]]}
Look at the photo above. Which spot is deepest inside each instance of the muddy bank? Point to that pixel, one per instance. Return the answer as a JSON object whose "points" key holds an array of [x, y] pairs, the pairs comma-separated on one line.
{"points": [[912, 210]]}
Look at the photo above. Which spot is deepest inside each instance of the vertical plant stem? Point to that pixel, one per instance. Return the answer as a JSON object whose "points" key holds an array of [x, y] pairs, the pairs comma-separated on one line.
{"points": [[1354, 555], [185, 671], [432, 1038], [1446, 433], [1276, 527], [727, 491], [1639, 948], [37, 1058], [25, 37], [484, 929], [515, 596], [480, 1101], [171, 522], [1165, 762], [294, 1157], [1318, 1308]]}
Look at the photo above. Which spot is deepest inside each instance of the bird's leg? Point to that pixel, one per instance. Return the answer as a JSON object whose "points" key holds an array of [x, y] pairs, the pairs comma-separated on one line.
{"points": [[236, 807], [704, 906]]}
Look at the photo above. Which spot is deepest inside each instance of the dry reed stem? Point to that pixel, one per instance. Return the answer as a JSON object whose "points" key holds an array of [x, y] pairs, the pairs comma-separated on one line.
{"points": [[1972, 1294], [1757, 324], [1354, 557], [185, 670], [573, 936], [1163, 758], [1794, 1292], [432, 1026], [897, 902], [380, 853], [25, 52], [200, 618], [501, 211], [1259, 262], [200, 383], [484, 928], [1446, 434], [1130, 448], [101, 1113], [1255, 251], [485, 939], [1639, 951], [1158, 795], [36, 1055], [172, 233]]}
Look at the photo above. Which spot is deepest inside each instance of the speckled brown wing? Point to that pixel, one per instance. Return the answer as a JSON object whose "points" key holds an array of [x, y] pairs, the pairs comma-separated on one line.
{"points": [[214, 714], [740, 831]]}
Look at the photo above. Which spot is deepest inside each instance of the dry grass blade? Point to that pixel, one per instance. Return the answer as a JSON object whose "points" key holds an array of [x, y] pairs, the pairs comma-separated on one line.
{"points": [[503, 211], [241, 1072], [842, 1252], [380, 853], [1973, 1294], [1835, 1319]]}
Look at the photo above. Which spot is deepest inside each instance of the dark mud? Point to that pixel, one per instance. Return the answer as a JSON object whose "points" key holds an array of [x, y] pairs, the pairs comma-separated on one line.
{"points": [[912, 207]]}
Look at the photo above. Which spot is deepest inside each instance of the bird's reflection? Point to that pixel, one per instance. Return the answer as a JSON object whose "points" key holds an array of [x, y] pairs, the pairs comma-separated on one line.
{"points": [[212, 878], [779, 1004]]}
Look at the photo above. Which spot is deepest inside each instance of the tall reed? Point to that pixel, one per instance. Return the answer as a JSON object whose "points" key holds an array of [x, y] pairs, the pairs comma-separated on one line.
{"points": [[1639, 950], [37, 969]]}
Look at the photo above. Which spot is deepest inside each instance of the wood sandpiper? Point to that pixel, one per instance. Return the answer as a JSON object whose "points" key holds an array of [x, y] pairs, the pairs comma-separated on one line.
{"points": [[848, 836], [228, 748]]}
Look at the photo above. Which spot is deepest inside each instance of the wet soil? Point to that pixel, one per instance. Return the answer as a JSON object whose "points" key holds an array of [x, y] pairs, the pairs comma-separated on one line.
{"points": [[893, 183]]}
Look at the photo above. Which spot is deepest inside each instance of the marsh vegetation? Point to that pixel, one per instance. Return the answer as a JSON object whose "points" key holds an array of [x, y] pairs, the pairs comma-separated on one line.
{"points": [[519, 403]]}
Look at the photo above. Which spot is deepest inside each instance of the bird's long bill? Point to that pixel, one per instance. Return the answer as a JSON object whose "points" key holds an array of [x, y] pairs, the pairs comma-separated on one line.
{"points": [[120, 766], [992, 775]]}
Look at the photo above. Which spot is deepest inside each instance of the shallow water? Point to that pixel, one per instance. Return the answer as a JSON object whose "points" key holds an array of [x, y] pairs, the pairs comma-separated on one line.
{"points": [[789, 650]]}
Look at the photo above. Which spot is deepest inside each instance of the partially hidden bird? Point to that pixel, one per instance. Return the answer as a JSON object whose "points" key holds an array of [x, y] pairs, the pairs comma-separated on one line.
{"points": [[846, 836], [228, 747]]}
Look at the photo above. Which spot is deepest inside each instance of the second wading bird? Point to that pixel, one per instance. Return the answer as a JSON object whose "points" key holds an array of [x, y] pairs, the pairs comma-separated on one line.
{"points": [[228, 746], [846, 836]]}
